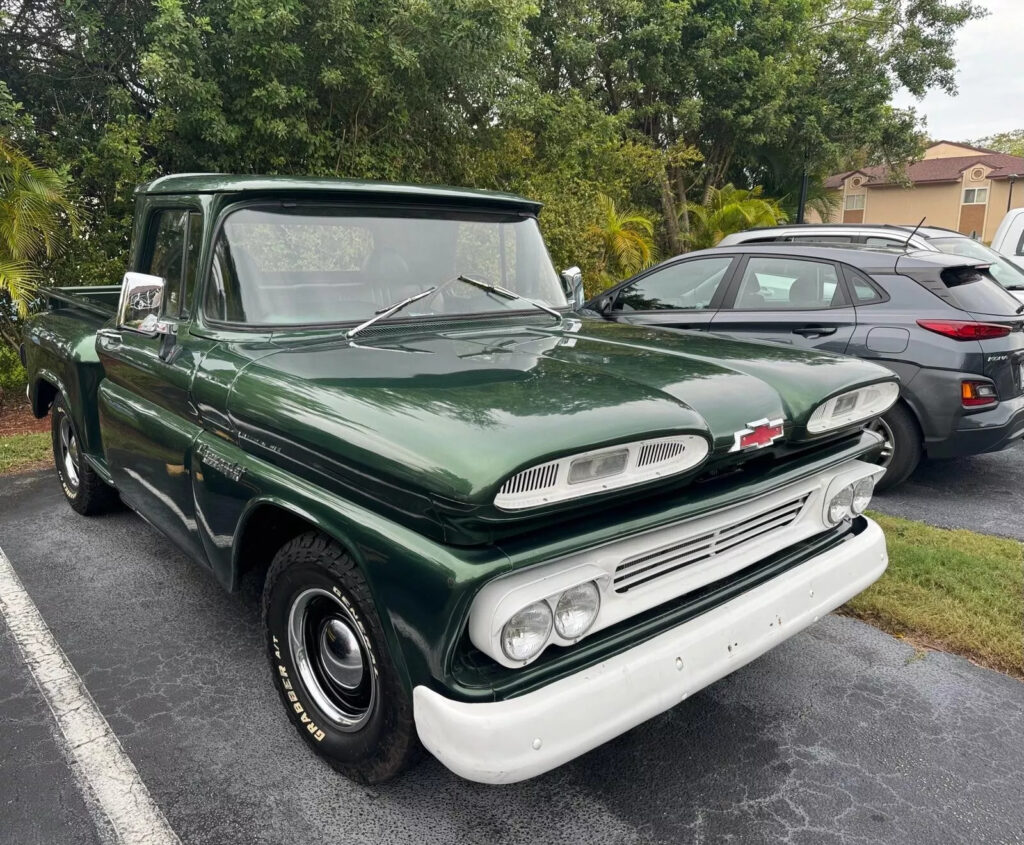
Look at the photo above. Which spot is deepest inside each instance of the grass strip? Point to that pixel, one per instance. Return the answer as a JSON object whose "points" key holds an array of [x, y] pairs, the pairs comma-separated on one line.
{"points": [[952, 590], [23, 451]]}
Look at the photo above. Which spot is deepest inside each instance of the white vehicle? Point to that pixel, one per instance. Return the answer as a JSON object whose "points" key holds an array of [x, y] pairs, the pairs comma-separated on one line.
{"points": [[1008, 240], [886, 236]]}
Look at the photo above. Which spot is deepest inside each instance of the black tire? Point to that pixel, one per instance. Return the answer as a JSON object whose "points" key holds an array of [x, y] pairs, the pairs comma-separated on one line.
{"points": [[313, 575], [85, 491], [902, 452]]}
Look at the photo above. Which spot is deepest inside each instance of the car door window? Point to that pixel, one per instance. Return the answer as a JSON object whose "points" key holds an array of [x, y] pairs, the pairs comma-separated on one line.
{"points": [[788, 283], [688, 285]]}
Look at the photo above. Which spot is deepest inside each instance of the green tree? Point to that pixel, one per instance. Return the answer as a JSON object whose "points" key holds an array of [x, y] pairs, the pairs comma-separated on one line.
{"points": [[727, 210], [746, 81], [1011, 142], [627, 241], [35, 218]]}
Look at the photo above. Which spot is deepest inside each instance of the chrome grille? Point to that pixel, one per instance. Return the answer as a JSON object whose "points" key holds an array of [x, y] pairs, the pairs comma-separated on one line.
{"points": [[662, 450], [535, 478], [642, 569]]}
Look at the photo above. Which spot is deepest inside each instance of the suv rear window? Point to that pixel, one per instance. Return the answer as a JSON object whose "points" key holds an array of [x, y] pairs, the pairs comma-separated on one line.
{"points": [[975, 290]]}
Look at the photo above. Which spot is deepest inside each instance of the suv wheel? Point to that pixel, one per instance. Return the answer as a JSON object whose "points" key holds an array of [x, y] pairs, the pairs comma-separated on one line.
{"points": [[85, 491], [901, 450], [331, 663]]}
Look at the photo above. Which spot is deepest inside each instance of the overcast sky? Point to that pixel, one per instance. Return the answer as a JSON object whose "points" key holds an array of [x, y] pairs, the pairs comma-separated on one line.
{"points": [[990, 78]]}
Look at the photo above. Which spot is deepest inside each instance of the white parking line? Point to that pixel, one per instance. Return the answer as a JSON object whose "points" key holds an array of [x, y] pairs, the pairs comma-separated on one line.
{"points": [[100, 765]]}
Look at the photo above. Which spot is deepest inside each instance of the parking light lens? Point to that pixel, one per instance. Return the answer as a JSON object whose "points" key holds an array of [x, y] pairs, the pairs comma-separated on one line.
{"points": [[526, 633], [602, 465], [862, 492], [576, 610], [841, 505]]}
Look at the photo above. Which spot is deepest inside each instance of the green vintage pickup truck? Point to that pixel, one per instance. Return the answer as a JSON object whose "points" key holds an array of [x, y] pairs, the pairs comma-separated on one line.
{"points": [[486, 523]]}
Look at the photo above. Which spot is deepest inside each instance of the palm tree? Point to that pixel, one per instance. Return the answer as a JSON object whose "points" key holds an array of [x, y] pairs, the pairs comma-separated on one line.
{"points": [[35, 216], [627, 240], [726, 210]]}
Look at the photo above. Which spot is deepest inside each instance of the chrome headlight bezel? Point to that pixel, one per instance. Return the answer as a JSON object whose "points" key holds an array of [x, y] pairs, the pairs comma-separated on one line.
{"points": [[853, 406], [848, 482]]}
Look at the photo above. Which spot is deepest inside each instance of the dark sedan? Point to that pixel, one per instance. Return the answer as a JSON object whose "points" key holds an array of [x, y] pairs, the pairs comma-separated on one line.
{"points": [[954, 336]]}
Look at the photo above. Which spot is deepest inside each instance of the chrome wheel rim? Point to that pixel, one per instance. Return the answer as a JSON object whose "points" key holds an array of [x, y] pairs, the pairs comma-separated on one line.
{"points": [[333, 658], [69, 455], [880, 426]]}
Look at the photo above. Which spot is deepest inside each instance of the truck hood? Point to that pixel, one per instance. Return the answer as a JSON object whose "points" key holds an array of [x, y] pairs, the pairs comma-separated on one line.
{"points": [[451, 414]]}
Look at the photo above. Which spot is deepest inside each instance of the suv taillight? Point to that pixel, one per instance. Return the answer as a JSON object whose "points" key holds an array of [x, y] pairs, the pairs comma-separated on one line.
{"points": [[965, 329], [974, 394]]}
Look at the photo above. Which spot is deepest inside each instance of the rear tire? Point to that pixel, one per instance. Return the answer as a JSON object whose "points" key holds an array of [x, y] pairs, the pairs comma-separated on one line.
{"points": [[331, 663], [903, 446], [86, 492]]}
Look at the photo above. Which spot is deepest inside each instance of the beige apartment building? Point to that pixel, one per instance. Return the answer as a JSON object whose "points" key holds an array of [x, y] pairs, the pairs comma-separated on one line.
{"points": [[956, 186]]}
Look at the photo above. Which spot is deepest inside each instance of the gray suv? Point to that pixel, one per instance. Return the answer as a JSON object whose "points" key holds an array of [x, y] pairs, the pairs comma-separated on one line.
{"points": [[954, 336]]}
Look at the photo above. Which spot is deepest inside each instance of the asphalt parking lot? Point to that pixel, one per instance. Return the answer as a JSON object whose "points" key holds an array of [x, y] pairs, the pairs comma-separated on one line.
{"points": [[983, 493], [842, 734]]}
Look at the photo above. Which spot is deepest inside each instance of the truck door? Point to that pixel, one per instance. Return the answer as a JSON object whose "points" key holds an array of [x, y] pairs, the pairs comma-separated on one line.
{"points": [[147, 419]]}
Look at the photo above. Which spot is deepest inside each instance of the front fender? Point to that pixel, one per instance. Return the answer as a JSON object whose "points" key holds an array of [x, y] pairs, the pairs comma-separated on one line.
{"points": [[422, 589]]}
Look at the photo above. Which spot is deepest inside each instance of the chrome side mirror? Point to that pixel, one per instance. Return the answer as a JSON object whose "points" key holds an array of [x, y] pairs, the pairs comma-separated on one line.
{"points": [[138, 309], [572, 284]]}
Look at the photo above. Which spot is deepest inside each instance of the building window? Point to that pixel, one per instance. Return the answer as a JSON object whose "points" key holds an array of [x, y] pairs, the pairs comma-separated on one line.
{"points": [[975, 196], [854, 202]]}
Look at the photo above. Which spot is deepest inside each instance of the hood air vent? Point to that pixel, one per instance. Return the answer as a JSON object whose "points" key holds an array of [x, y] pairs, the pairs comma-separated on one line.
{"points": [[600, 470]]}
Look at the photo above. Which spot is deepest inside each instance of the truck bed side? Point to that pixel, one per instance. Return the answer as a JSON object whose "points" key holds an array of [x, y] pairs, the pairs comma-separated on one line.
{"points": [[59, 354]]}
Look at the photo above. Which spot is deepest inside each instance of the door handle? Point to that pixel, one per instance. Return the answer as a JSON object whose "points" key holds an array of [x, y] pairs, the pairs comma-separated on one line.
{"points": [[815, 331], [108, 338]]}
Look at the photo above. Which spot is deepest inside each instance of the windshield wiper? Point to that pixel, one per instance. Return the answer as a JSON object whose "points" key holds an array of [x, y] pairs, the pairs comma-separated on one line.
{"points": [[506, 293], [387, 312]]}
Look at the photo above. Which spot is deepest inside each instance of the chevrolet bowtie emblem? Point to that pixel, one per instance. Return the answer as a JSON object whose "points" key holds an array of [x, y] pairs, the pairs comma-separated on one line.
{"points": [[757, 435]]}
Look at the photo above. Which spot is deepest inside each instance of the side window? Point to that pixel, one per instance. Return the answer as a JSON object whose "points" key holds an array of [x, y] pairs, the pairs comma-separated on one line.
{"points": [[788, 283], [872, 240], [689, 285], [167, 258], [864, 292]]}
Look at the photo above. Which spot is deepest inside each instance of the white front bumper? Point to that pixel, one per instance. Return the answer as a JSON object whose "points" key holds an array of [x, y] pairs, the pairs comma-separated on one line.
{"points": [[508, 741]]}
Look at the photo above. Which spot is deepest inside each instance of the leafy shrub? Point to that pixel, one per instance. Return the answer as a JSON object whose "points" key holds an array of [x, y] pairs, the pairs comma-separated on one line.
{"points": [[13, 377]]}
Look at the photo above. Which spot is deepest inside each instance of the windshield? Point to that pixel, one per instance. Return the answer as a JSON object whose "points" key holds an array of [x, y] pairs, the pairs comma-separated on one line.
{"points": [[308, 265], [1004, 272]]}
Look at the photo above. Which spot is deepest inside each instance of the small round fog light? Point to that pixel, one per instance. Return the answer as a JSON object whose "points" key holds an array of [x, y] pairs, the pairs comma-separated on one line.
{"points": [[576, 610], [841, 505], [525, 634], [862, 491]]}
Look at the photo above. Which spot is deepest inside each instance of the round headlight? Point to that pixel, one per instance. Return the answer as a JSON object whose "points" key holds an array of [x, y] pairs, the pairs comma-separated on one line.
{"points": [[576, 610], [862, 491], [841, 505], [525, 634]]}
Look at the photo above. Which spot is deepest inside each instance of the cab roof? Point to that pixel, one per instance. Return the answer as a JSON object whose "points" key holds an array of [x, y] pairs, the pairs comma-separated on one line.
{"points": [[226, 183]]}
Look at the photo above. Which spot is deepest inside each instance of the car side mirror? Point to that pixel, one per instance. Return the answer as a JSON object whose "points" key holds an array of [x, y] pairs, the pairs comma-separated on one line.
{"points": [[138, 309], [572, 284]]}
